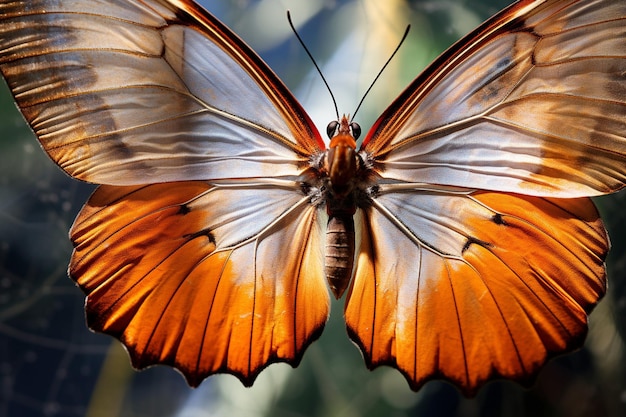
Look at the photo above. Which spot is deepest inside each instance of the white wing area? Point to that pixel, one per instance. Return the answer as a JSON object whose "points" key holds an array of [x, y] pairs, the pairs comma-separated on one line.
{"points": [[535, 106], [432, 218], [125, 92]]}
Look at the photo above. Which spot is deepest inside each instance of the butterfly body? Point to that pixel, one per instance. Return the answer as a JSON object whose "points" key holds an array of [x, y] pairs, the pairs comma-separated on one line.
{"points": [[343, 177], [461, 229]]}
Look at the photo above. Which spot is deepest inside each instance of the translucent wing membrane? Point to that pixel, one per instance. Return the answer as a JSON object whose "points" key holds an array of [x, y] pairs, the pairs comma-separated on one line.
{"points": [[532, 102], [128, 92], [185, 274], [489, 285]]}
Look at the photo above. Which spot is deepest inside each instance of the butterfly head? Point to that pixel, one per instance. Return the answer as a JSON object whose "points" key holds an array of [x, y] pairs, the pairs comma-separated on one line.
{"points": [[343, 127]]}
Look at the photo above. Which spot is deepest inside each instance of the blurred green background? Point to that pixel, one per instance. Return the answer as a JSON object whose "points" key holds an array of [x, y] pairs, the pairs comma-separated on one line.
{"points": [[51, 365]]}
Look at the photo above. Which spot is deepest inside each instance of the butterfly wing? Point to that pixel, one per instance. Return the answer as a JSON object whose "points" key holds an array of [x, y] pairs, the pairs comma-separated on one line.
{"points": [[129, 92], [201, 290], [199, 145], [530, 102], [470, 285]]}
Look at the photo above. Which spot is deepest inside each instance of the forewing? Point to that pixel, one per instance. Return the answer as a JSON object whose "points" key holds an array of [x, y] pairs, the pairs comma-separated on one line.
{"points": [[202, 277], [126, 92], [471, 286], [533, 102]]}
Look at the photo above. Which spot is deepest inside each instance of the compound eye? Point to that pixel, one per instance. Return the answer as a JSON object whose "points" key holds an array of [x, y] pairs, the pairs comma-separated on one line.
{"points": [[356, 130], [332, 128]]}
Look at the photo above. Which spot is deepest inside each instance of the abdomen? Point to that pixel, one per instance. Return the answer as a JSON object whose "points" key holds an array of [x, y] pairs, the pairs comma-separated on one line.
{"points": [[339, 258]]}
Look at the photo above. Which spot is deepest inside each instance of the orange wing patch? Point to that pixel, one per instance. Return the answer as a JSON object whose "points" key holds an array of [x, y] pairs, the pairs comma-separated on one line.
{"points": [[518, 294], [157, 279]]}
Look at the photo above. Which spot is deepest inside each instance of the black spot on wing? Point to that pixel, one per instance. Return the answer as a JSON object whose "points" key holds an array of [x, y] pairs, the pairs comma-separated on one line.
{"points": [[202, 233], [498, 219], [184, 209], [474, 241]]}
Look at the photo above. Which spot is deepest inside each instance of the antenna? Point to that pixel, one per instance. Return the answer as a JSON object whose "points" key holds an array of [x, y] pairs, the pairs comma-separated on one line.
{"points": [[406, 32], [319, 71]]}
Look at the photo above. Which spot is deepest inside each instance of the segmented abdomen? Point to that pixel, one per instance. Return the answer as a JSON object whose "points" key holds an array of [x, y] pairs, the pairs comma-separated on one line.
{"points": [[339, 258]]}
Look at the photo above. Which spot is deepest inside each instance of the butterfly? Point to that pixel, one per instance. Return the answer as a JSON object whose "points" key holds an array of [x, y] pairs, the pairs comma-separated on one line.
{"points": [[460, 231]]}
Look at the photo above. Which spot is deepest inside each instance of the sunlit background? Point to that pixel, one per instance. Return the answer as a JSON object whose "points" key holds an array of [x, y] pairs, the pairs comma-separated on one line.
{"points": [[52, 365]]}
